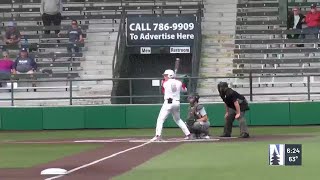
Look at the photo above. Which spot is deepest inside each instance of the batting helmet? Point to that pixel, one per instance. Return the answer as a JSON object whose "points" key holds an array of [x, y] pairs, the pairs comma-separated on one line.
{"points": [[170, 73]]}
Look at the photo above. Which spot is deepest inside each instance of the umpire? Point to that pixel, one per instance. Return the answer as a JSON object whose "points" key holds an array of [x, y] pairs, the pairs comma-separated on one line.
{"points": [[236, 106]]}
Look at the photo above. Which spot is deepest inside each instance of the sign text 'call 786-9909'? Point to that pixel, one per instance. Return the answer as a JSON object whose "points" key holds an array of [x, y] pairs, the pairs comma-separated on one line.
{"points": [[163, 30], [161, 26]]}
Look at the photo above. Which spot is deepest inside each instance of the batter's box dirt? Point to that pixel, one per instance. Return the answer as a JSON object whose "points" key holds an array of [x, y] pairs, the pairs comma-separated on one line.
{"points": [[175, 140], [143, 140]]}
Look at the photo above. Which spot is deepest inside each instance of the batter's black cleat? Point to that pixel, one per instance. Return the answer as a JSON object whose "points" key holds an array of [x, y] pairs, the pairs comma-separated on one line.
{"points": [[225, 135], [244, 135]]}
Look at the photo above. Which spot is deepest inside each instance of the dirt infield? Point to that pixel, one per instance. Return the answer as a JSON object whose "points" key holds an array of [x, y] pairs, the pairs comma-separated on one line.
{"points": [[114, 158]]}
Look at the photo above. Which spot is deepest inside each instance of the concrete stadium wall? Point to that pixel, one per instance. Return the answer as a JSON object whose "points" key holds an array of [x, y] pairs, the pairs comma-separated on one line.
{"points": [[144, 116]]}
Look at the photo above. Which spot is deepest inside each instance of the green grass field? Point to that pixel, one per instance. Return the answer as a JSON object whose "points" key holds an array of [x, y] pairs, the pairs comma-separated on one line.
{"points": [[227, 161], [28, 155]]}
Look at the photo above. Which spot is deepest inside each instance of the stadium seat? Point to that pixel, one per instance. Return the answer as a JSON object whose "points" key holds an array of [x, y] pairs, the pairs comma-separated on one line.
{"points": [[263, 46], [51, 55]]}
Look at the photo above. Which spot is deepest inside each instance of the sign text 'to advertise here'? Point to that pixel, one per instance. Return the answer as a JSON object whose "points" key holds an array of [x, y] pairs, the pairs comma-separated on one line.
{"points": [[161, 30]]}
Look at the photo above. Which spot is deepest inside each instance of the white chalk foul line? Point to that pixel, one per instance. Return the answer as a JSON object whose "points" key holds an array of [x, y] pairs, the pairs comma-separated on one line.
{"points": [[100, 160]]}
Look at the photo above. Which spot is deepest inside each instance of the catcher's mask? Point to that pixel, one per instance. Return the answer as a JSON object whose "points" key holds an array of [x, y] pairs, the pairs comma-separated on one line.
{"points": [[194, 97]]}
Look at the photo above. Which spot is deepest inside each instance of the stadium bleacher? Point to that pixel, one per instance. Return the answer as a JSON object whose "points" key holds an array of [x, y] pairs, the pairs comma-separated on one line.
{"points": [[262, 47], [97, 18]]}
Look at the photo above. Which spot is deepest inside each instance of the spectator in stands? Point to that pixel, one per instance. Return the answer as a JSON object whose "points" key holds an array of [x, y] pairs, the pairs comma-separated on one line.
{"points": [[295, 21], [75, 37], [5, 67], [12, 35], [313, 21], [5, 64], [24, 64], [51, 13]]}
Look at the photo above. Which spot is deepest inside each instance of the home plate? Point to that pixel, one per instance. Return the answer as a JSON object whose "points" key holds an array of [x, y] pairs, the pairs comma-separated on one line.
{"points": [[54, 171]]}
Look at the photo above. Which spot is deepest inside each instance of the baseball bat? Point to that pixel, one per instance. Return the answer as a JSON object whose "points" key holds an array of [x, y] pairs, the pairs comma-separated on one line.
{"points": [[176, 65]]}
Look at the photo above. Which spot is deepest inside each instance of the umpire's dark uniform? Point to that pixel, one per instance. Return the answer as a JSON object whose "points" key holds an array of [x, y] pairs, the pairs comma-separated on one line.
{"points": [[229, 97]]}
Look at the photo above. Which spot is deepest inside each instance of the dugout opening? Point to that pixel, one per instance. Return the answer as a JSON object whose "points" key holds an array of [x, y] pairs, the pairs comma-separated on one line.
{"points": [[152, 66]]}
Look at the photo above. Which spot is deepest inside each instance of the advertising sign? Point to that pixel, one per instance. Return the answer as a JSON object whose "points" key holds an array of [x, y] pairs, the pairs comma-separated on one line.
{"points": [[161, 30]]}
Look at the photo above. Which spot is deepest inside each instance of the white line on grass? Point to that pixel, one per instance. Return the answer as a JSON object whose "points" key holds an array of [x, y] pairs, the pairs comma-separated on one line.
{"points": [[100, 160]]}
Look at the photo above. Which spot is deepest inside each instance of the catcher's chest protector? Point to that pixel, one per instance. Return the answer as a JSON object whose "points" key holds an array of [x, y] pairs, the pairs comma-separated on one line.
{"points": [[192, 116]]}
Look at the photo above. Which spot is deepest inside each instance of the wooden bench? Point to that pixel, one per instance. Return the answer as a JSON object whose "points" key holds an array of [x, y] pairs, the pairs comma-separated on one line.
{"points": [[94, 1], [271, 22], [43, 28], [276, 41], [268, 13], [65, 17], [302, 4], [58, 64], [270, 51], [277, 32], [42, 45], [48, 36], [64, 1], [38, 75], [277, 71], [12, 10], [257, 5], [276, 61], [56, 55], [132, 7]]}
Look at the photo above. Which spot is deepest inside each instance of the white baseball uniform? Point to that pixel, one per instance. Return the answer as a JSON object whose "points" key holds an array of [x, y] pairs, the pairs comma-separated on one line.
{"points": [[171, 89]]}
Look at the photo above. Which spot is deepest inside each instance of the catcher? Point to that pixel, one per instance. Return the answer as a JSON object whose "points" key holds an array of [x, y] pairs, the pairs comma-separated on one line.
{"points": [[236, 105], [197, 122]]}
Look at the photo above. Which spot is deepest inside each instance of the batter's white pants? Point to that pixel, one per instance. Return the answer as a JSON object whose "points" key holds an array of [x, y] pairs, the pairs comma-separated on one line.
{"points": [[174, 109]]}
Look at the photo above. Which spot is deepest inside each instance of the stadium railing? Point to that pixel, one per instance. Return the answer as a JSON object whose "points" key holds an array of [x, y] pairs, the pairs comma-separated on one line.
{"points": [[251, 85]]}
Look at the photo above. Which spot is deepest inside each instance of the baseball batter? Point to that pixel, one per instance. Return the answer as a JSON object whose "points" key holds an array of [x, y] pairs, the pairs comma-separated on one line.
{"points": [[171, 105]]}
